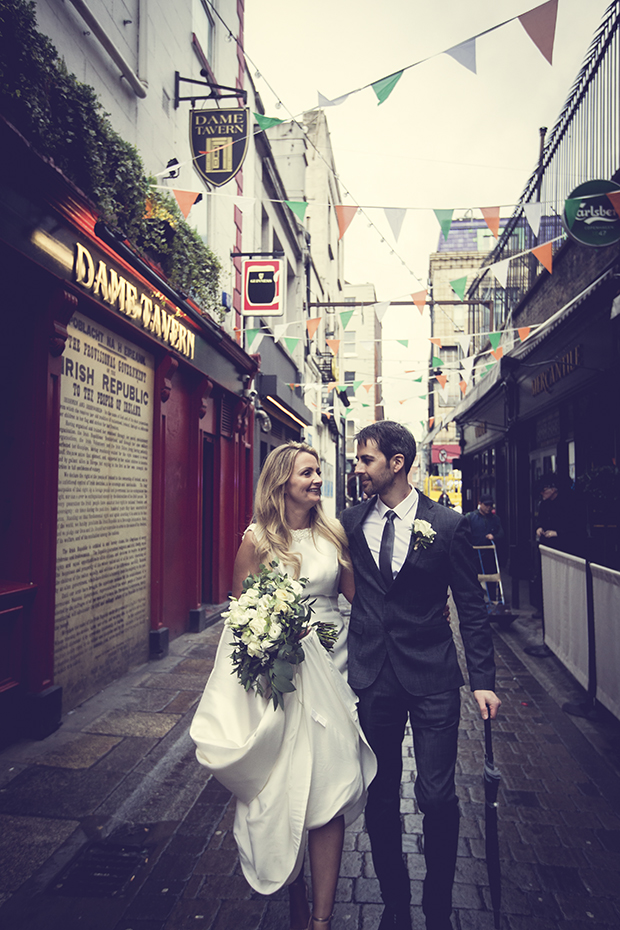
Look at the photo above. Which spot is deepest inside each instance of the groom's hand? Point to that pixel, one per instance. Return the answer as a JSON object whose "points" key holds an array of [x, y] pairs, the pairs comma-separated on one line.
{"points": [[488, 702]]}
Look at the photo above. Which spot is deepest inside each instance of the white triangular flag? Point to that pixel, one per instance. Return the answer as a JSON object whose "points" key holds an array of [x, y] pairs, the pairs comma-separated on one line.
{"points": [[279, 330], [381, 309], [326, 102], [395, 217], [468, 364], [464, 342], [367, 346], [532, 214], [500, 270], [465, 54]]}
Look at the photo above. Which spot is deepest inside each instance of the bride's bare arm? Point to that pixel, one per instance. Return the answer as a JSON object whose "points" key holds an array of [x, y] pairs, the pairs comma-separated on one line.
{"points": [[246, 563], [347, 584]]}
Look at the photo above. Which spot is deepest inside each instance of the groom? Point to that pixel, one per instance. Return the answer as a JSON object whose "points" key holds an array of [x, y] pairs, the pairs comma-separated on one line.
{"points": [[406, 551]]}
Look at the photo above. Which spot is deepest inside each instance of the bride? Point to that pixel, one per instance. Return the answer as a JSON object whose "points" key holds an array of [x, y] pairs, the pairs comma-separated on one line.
{"points": [[300, 773]]}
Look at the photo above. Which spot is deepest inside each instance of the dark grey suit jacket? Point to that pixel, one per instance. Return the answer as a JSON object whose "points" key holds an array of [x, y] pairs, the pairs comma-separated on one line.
{"points": [[405, 620]]}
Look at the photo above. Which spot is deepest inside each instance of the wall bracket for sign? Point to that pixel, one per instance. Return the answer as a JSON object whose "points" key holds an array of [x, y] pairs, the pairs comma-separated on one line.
{"points": [[216, 90], [276, 254]]}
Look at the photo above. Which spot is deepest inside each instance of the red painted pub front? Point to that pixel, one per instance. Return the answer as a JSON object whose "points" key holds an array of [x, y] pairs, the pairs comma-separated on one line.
{"points": [[125, 452]]}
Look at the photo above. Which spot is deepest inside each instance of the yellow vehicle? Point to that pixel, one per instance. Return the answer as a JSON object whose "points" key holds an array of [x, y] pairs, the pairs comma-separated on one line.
{"points": [[435, 485]]}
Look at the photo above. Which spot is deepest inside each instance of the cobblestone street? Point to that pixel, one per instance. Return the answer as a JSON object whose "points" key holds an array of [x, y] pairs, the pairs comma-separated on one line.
{"points": [[110, 824]]}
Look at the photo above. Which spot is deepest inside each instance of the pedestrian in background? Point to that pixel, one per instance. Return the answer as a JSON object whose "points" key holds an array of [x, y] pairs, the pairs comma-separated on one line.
{"points": [[486, 526], [487, 530]]}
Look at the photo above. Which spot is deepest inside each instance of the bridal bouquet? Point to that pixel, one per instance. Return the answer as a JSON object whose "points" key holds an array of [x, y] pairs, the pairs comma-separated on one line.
{"points": [[268, 621]]}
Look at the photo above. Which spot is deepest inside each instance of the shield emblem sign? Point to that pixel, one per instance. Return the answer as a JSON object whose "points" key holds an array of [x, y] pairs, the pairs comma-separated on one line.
{"points": [[219, 142]]}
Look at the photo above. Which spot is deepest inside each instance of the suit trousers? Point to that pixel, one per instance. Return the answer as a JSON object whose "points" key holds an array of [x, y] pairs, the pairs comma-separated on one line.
{"points": [[383, 710]]}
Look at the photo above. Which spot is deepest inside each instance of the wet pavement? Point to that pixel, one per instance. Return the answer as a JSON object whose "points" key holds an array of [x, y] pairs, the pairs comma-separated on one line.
{"points": [[110, 824]]}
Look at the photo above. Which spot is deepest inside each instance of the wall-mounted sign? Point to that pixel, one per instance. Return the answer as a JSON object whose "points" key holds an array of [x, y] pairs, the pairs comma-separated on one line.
{"points": [[564, 366], [263, 287], [111, 288], [589, 215], [219, 142]]}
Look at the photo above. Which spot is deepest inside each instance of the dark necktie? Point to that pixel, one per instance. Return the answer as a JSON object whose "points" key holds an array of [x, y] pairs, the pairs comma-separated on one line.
{"points": [[387, 548]]}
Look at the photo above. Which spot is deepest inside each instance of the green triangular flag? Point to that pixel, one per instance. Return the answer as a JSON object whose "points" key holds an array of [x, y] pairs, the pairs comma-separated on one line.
{"points": [[488, 367], [251, 334], [385, 86], [342, 387], [291, 343], [495, 339], [345, 316], [570, 209], [347, 411], [423, 396], [436, 363], [444, 218], [264, 122], [458, 286], [418, 379], [365, 405], [403, 342], [298, 207], [356, 384]]}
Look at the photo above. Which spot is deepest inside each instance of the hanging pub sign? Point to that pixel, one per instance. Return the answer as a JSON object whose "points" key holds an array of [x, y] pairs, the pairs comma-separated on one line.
{"points": [[219, 141], [263, 291], [590, 215]]}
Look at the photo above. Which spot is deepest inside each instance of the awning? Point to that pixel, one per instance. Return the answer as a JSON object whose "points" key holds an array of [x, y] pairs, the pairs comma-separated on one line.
{"points": [[444, 452]]}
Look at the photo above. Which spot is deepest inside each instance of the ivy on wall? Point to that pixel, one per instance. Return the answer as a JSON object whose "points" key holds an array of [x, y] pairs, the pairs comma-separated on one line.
{"points": [[64, 120]]}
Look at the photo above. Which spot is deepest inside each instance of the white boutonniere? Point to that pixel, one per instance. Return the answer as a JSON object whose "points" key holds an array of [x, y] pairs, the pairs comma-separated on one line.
{"points": [[423, 534]]}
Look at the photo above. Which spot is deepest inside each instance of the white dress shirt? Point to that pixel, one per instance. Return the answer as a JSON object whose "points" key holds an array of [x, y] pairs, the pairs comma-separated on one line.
{"points": [[375, 521]]}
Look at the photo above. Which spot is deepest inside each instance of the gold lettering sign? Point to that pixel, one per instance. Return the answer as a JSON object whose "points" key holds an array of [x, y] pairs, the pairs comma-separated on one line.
{"points": [[111, 288]]}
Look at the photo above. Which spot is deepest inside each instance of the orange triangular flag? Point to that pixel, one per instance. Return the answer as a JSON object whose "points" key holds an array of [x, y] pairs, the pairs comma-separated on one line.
{"points": [[614, 196], [491, 217], [436, 342], [463, 386], [442, 379], [312, 325], [497, 353], [403, 401], [344, 215], [331, 386], [237, 332], [186, 200], [334, 345], [367, 386], [431, 420], [539, 24], [524, 332], [419, 299], [544, 254]]}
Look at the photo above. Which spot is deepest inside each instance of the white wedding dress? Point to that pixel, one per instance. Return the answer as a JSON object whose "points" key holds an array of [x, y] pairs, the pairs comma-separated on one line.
{"points": [[295, 769]]}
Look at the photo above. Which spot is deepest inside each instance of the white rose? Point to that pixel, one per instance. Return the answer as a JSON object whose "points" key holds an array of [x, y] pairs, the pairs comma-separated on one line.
{"points": [[296, 587], [275, 631], [257, 625], [255, 649], [283, 595]]}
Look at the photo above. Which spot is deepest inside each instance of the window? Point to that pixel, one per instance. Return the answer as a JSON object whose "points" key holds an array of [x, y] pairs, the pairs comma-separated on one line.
{"points": [[349, 378], [204, 28], [350, 437], [348, 344]]}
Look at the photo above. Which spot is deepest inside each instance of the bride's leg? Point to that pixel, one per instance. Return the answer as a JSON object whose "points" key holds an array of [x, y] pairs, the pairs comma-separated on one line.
{"points": [[325, 846], [298, 902]]}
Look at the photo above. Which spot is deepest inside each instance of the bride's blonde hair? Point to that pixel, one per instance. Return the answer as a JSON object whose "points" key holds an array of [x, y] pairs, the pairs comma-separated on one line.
{"points": [[272, 534]]}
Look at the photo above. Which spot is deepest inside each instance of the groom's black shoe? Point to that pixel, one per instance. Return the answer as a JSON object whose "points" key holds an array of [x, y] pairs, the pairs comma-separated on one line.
{"points": [[395, 920]]}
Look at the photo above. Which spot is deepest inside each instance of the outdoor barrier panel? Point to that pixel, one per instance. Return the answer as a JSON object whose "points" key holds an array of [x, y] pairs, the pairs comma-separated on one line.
{"points": [[606, 591], [566, 610]]}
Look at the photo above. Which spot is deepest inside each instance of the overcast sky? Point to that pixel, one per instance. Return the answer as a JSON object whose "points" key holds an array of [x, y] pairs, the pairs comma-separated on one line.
{"points": [[445, 138]]}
